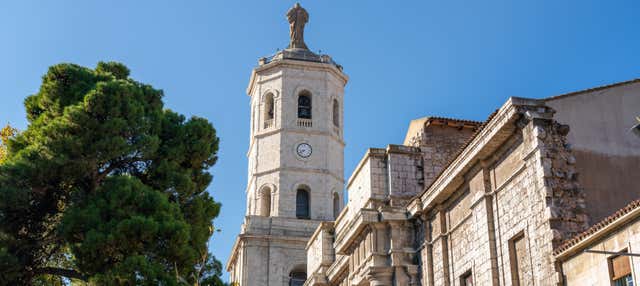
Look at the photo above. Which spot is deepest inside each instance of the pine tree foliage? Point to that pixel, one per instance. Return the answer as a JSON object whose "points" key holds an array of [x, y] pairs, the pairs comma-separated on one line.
{"points": [[6, 133], [106, 186]]}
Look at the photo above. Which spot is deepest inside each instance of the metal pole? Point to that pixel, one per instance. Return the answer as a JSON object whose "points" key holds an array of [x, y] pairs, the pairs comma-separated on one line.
{"points": [[612, 252]]}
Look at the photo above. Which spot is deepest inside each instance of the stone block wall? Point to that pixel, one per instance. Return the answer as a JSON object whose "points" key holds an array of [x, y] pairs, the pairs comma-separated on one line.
{"points": [[526, 189], [438, 144], [405, 173]]}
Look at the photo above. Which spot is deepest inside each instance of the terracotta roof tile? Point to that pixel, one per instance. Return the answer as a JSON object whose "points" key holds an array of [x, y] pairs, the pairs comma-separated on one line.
{"points": [[598, 226], [471, 122]]}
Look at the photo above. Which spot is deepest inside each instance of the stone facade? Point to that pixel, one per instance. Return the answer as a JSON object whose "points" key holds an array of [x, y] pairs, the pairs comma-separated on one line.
{"points": [[460, 202]]}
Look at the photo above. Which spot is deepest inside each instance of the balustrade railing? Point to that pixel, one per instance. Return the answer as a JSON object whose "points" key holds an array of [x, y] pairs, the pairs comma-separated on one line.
{"points": [[303, 122]]}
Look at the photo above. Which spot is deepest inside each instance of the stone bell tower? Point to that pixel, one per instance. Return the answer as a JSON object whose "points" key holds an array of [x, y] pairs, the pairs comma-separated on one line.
{"points": [[296, 160]]}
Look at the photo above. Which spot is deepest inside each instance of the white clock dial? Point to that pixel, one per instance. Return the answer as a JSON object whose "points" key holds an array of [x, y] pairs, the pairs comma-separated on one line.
{"points": [[304, 150]]}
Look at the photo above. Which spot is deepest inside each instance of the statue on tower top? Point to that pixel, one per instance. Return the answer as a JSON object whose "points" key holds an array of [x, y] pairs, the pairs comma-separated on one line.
{"points": [[297, 17]]}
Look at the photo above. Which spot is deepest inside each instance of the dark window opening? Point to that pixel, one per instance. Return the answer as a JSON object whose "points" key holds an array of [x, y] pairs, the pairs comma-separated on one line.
{"points": [[302, 204], [336, 205], [304, 106], [297, 278]]}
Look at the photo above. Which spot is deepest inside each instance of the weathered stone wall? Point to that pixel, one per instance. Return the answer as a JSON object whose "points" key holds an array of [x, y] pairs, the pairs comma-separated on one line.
{"points": [[405, 174], [320, 251], [526, 188], [439, 143]]}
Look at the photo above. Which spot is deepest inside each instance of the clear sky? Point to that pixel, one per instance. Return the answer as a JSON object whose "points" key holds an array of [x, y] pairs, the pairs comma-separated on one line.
{"points": [[405, 60]]}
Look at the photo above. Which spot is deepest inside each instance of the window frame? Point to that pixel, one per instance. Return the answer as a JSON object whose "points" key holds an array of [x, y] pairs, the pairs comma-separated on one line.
{"points": [[513, 257]]}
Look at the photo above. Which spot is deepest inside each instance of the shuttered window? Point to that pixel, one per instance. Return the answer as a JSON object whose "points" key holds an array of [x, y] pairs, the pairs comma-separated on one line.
{"points": [[621, 271]]}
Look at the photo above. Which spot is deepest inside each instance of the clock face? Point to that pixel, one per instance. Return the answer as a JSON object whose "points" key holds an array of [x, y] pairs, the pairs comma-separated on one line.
{"points": [[304, 150]]}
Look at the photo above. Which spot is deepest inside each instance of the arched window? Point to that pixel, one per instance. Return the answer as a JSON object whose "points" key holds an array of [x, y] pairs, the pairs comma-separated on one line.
{"points": [[304, 105], [297, 278], [265, 201], [336, 113], [302, 203], [269, 111], [336, 205], [268, 107]]}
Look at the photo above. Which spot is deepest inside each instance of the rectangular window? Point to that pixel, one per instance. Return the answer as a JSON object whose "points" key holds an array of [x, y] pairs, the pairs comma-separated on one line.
{"points": [[620, 270], [466, 279], [519, 260]]}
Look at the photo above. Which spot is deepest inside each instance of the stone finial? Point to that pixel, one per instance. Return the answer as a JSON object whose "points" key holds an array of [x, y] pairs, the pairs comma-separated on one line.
{"points": [[297, 17]]}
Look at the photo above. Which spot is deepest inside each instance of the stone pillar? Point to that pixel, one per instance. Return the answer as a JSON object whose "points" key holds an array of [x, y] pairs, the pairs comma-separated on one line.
{"points": [[398, 243], [442, 214], [491, 228], [428, 262], [378, 244]]}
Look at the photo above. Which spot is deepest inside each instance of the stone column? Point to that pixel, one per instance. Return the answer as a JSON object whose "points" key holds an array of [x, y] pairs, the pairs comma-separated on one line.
{"points": [[428, 262], [491, 228], [442, 215], [378, 244], [398, 243]]}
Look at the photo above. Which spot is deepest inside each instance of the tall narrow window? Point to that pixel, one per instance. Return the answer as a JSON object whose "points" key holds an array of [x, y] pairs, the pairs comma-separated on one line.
{"points": [[620, 270], [297, 278], [268, 106], [519, 260], [336, 113], [302, 203], [336, 205], [304, 105], [269, 112], [265, 201]]}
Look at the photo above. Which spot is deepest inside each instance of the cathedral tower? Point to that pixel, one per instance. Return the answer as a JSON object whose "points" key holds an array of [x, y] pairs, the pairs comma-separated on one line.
{"points": [[296, 160]]}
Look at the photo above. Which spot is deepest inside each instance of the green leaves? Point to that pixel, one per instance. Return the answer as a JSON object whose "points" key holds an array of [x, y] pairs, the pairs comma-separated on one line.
{"points": [[126, 218], [106, 177]]}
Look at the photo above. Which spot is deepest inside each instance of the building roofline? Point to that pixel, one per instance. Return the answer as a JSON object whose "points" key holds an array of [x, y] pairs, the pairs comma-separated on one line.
{"points": [[597, 88], [298, 64], [599, 230], [441, 121]]}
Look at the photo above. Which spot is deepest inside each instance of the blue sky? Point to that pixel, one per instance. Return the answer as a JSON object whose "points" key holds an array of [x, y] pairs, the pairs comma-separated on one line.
{"points": [[406, 59]]}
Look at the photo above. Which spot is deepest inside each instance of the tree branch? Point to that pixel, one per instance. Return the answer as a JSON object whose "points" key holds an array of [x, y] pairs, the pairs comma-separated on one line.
{"points": [[69, 273]]}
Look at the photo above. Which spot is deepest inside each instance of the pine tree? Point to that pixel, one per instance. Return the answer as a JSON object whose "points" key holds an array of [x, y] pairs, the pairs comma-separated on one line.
{"points": [[105, 185]]}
